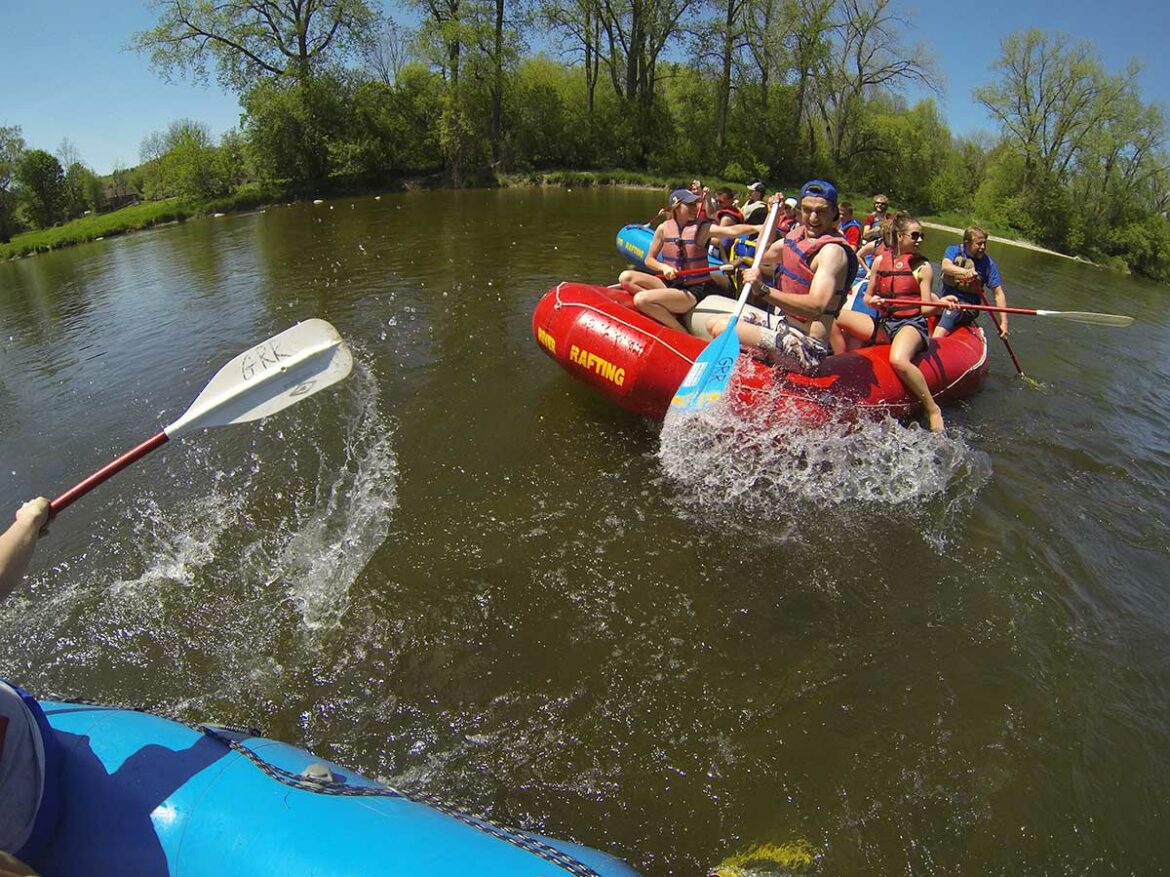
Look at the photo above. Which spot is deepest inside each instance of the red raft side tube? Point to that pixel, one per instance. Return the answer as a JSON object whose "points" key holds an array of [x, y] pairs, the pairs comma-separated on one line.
{"points": [[600, 339]]}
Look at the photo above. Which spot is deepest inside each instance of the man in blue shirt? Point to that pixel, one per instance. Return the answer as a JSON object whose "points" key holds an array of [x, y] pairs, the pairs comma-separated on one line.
{"points": [[967, 271]]}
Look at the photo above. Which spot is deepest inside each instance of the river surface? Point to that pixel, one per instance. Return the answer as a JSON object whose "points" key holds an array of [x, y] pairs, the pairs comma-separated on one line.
{"points": [[883, 651]]}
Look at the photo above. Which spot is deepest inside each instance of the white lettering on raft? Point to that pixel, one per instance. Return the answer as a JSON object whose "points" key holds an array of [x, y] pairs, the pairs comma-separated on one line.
{"points": [[594, 363]]}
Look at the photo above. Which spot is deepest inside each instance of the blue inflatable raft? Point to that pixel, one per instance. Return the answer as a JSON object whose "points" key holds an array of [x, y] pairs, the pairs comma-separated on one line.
{"points": [[142, 795], [633, 242]]}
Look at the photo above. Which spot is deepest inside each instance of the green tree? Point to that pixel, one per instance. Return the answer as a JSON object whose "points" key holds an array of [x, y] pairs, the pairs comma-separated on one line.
{"points": [[11, 149], [290, 127], [42, 187], [245, 41], [869, 59], [82, 190], [1050, 98], [190, 163]]}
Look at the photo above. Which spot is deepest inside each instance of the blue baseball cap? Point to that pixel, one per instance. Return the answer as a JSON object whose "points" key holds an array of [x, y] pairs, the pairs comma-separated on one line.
{"points": [[683, 196], [819, 189]]}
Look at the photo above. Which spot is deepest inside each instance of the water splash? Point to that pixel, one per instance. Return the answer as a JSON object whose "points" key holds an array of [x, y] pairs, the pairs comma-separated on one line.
{"points": [[736, 468], [229, 545], [333, 543]]}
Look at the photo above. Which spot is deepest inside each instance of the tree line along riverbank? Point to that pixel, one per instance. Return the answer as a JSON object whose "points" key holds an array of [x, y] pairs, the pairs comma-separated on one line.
{"points": [[140, 216]]}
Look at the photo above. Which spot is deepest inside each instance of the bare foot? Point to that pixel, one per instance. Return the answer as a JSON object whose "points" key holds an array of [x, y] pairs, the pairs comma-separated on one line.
{"points": [[935, 419]]}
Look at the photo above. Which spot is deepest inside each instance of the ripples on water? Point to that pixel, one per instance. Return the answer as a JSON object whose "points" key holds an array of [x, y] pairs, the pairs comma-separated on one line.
{"points": [[896, 652]]}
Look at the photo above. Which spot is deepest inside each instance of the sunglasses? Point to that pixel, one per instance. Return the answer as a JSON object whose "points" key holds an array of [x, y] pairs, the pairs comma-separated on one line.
{"points": [[916, 235], [880, 204]]}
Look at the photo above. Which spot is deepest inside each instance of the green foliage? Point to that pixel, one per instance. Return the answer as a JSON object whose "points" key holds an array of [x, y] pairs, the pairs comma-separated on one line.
{"points": [[42, 187], [82, 190], [97, 226], [11, 149], [1143, 245], [732, 171], [245, 42], [287, 128], [799, 103]]}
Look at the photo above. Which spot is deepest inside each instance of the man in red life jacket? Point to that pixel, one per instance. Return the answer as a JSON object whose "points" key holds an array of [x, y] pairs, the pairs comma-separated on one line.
{"points": [[849, 226], [815, 267], [726, 213]]}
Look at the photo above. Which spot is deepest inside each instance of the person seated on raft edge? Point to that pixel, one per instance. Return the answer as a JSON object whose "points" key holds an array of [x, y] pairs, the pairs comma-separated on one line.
{"points": [[899, 271], [22, 780], [679, 244], [816, 267], [962, 266]]}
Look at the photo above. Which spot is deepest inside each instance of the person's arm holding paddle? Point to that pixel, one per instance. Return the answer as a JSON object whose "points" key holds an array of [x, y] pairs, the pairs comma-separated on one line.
{"points": [[653, 265], [18, 542], [829, 267]]}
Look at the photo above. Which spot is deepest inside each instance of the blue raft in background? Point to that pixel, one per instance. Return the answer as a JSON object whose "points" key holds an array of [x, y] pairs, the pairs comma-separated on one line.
{"points": [[142, 795]]}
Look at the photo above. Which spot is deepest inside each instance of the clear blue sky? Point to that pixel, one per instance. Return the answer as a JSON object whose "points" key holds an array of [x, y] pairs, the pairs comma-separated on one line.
{"points": [[65, 71]]}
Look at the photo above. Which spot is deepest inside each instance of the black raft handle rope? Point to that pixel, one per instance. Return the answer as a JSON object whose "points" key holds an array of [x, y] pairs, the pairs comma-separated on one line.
{"points": [[328, 786]]}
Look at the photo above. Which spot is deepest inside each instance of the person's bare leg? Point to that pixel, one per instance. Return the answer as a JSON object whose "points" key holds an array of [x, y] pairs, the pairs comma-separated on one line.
{"points": [[663, 304], [635, 281], [905, 345]]}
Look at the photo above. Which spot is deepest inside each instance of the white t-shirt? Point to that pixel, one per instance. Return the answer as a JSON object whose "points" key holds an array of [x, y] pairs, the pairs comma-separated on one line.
{"points": [[22, 770]]}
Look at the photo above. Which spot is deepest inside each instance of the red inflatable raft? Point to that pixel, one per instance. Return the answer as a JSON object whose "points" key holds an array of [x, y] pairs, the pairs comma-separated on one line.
{"points": [[601, 340]]}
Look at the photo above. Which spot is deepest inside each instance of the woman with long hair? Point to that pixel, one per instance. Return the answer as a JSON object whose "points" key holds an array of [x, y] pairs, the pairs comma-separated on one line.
{"points": [[899, 271]]}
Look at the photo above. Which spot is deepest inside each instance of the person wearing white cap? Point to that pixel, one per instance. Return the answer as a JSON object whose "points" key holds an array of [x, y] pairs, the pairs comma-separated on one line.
{"points": [[790, 218], [755, 211]]}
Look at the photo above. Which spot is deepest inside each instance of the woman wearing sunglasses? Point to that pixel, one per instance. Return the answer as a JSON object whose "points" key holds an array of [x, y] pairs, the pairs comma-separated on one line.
{"points": [[899, 271]]}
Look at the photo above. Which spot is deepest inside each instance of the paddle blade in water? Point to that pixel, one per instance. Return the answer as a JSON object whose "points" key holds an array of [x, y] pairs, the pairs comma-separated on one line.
{"points": [[272, 375], [1090, 317], [708, 377]]}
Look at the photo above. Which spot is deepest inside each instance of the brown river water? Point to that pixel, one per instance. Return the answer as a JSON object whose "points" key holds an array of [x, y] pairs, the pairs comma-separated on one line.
{"points": [[892, 652]]}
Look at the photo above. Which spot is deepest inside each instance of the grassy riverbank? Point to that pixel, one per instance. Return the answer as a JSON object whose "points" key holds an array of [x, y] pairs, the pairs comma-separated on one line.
{"points": [[132, 218]]}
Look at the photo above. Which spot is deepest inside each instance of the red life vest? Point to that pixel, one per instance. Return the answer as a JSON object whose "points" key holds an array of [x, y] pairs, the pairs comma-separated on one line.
{"points": [[681, 250], [795, 273], [735, 215], [893, 277]]}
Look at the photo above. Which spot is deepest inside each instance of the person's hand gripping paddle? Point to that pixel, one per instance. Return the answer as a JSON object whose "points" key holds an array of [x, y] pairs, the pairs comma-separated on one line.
{"points": [[268, 377], [708, 378]]}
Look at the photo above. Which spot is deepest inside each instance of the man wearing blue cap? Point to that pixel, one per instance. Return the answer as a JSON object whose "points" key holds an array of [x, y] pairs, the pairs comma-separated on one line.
{"points": [[814, 269], [677, 275]]}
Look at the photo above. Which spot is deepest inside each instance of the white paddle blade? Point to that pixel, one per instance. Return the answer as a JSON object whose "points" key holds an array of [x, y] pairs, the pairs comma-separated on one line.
{"points": [[1090, 317], [270, 376]]}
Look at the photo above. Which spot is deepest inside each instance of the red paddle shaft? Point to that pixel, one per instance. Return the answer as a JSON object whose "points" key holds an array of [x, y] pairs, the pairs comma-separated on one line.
{"points": [[690, 271], [109, 470]]}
